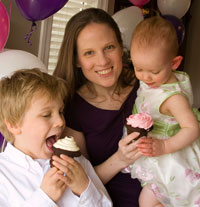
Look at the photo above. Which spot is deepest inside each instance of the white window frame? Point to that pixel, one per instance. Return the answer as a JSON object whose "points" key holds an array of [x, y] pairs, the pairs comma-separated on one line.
{"points": [[45, 34]]}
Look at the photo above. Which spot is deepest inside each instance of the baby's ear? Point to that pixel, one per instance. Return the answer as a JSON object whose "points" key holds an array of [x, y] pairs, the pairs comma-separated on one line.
{"points": [[176, 62], [14, 129]]}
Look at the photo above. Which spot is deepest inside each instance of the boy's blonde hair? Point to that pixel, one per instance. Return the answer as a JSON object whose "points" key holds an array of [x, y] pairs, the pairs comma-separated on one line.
{"points": [[154, 32], [17, 91]]}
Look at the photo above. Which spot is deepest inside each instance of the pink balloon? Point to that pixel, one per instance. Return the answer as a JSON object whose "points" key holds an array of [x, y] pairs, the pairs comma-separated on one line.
{"points": [[139, 3], [4, 26]]}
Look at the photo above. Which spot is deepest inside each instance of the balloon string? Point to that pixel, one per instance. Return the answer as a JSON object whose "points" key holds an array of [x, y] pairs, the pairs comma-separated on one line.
{"points": [[28, 36], [10, 9]]}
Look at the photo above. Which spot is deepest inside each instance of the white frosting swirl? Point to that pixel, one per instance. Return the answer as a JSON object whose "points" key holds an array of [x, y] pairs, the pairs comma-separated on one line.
{"points": [[67, 143]]}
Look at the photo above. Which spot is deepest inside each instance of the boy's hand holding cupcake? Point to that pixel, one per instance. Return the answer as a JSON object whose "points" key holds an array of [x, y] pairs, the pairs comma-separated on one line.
{"points": [[72, 173]]}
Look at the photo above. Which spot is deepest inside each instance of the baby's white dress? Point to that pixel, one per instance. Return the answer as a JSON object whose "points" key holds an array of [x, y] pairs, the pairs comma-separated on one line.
{"points": [[175, 177]]}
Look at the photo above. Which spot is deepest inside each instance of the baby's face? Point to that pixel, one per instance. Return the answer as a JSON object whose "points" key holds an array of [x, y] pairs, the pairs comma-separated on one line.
{"points": [[42, 125], [152, 65]]}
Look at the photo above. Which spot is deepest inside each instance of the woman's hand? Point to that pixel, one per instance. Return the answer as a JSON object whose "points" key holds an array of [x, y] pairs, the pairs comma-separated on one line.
{"points": [[126, 154], [127, 151]]}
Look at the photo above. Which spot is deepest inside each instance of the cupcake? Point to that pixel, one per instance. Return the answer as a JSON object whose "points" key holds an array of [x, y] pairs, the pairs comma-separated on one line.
{"points": [[66, 146], [141, 122]]}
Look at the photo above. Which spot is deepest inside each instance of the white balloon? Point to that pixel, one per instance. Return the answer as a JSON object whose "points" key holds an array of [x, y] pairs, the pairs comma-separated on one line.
{"points": [[127, 19], [177, 8], [12, 60]]}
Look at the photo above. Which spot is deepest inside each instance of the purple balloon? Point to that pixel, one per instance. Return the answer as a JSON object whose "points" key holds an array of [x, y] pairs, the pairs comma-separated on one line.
{"points": [[34, 10], [179, 26]]}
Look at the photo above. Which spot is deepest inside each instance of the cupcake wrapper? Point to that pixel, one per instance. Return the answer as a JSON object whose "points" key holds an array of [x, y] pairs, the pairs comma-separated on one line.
{"points": [[58, 152], [142, 132]]}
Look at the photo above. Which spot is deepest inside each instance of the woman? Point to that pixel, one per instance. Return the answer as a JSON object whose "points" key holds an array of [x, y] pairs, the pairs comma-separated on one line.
{"points": [[102, 95]]}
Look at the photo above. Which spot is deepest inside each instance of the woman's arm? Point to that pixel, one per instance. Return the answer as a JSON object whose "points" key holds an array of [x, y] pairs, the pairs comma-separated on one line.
{"points": [[126, 154]]}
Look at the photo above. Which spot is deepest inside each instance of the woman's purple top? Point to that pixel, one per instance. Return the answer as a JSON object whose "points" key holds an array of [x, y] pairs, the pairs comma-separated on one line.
{"points": [[102, 130], [1, 139]]}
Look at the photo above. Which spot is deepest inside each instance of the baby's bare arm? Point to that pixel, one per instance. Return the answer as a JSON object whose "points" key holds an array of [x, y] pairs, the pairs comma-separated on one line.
{"points": [[179, 107]]}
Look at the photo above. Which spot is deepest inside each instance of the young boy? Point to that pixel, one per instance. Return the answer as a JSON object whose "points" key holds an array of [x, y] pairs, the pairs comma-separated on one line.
{"points": [[31, 120]]}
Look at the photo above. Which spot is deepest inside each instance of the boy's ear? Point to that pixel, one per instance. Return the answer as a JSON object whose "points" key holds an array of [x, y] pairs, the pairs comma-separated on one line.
{"points": [[176, 62], [13, 129]]}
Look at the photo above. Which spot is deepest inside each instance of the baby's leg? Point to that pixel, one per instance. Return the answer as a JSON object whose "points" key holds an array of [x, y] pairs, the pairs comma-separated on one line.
{"points": [[148, 199]]}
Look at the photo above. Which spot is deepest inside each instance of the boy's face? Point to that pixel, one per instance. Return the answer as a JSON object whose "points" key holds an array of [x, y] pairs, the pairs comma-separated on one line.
{"points": [[42, 125], [153, 66]]}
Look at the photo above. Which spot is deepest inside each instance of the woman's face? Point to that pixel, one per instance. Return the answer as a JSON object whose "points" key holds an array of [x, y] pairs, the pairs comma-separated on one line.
{"points": [[99, 55]]}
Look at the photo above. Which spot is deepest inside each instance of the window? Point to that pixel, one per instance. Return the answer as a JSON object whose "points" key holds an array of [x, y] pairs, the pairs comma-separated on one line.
{"points": [[52, 29]]}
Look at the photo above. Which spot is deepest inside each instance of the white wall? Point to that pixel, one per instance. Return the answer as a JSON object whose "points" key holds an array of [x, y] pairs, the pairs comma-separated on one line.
{"points": [[192, 56], [19, 27]]}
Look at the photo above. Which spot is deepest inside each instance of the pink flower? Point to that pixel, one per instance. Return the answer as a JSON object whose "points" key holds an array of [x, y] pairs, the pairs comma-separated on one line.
{"points": [[171, 121], [141, 120], [156, 191], [192, 175], [127, 169], [145, 107], [197, 203], [188, 172]]}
